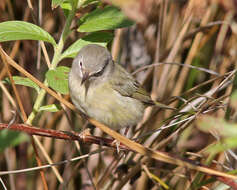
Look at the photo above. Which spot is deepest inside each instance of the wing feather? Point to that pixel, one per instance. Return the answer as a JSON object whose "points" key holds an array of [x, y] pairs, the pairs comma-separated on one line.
{"points": [[126, 85]]}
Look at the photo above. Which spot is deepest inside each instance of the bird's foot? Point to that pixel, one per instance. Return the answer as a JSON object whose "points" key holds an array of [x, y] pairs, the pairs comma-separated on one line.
{"points": [[84, 133], [117, 144]]}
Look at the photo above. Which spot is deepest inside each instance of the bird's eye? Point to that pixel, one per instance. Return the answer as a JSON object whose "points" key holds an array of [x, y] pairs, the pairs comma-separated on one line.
{"points": [[80, 69], [80, 64]]}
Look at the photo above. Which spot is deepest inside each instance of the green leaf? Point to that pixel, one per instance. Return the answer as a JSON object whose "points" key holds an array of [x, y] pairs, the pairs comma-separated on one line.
{"points": [[20, 30], [10, 138], [225, 130], [100, 38], [24, 81], [51, 108], [233, 99], [223, 145], [89, 2], [108, 18], [56, 3], [58, 79], [66, 6], [219, 125]]}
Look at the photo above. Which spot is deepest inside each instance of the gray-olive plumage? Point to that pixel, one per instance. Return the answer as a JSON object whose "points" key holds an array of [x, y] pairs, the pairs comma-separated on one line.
{"points": [[105, 91]]}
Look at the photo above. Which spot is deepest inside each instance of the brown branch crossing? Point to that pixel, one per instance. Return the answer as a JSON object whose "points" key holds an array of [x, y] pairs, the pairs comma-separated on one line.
{"points": [[65, 135]]}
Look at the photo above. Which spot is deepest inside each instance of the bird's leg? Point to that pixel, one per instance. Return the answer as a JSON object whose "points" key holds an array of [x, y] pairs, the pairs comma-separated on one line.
{"points": [[84, 133], [126, 131], [117, 143], [117, 146]]}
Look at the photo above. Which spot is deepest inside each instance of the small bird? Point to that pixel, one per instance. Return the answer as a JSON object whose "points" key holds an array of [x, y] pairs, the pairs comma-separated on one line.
{"points": [[105, 91]]}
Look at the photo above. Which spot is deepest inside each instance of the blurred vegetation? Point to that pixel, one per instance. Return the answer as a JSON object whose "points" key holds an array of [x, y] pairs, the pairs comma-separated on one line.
{"points": [[185, 52]]}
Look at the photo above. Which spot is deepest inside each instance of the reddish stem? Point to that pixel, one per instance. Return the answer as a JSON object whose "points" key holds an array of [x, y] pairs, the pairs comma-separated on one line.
{"points": [[66, 135]]}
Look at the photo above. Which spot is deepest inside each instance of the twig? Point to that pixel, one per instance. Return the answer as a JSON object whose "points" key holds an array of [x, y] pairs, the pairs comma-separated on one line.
{"points": [[65, 135], [49, 165], [179, 64], [158, 155]]}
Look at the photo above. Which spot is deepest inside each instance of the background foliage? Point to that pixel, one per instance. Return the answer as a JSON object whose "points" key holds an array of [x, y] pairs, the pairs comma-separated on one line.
{"points": [[185, 52]]}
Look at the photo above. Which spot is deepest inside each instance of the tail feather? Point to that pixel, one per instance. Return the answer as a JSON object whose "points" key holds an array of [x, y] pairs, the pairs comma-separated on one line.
{"points": [[163, 106]]}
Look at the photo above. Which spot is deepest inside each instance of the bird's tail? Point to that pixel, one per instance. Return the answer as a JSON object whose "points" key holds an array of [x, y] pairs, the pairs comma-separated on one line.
{"points": [[163, 106]]}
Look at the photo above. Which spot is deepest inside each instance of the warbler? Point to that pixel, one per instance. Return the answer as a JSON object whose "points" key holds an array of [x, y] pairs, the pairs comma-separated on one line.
{"points": [[105, 91]]}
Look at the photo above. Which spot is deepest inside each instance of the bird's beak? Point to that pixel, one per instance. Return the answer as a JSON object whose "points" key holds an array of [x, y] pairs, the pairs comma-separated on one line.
{"points": [[85, 77]]}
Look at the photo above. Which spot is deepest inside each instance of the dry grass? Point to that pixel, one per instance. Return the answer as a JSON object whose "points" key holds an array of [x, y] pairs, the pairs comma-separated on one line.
{"points": [[202, 34]]}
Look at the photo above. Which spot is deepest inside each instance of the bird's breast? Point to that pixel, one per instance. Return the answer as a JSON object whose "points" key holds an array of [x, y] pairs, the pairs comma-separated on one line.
{"points": [[106, 105]]}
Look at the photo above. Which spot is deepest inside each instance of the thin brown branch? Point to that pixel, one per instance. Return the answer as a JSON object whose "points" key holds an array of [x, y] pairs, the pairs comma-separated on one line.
{"points": [[130, 145], [229, 182], [15, 91], [39, 164], [10, 61], [65, 135]]}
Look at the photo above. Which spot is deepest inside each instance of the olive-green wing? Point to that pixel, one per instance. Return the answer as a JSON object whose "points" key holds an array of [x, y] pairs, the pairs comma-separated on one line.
{"points": [[126, 85]]}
